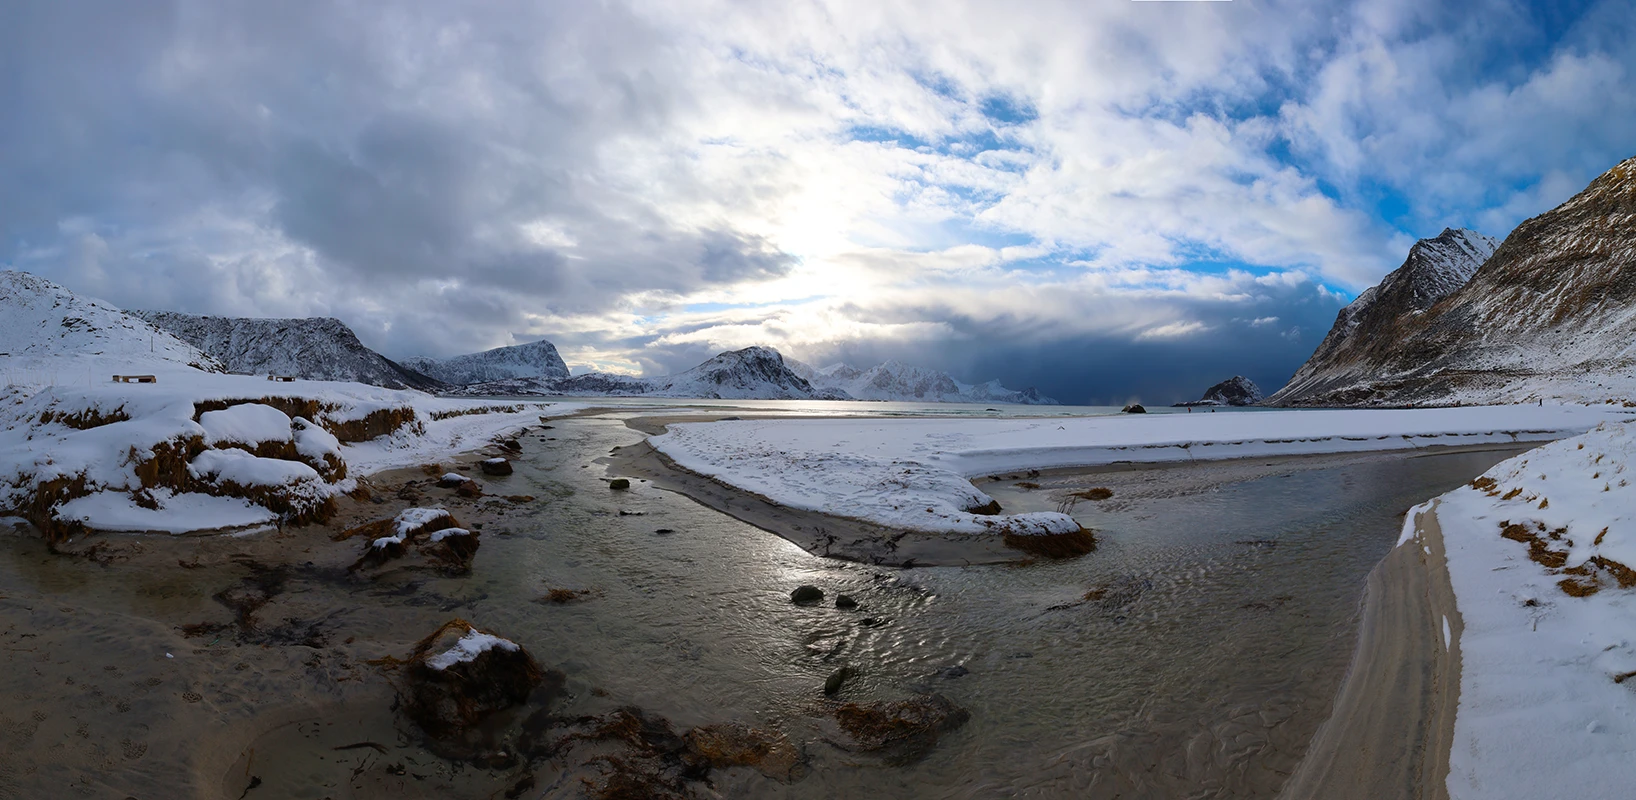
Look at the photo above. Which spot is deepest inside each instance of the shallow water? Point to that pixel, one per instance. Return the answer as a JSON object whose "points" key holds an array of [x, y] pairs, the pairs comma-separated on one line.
{"points": [[1203, 669], [1224, 623]]}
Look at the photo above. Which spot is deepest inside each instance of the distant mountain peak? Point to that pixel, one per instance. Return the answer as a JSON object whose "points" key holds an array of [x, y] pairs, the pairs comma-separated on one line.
{"points": [[531, 360], [314, 348], [1434, 269], [893, 380]]}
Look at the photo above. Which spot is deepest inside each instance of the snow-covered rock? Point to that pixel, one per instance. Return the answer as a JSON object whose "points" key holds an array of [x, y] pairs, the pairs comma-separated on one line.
{"points": [[535, 360], [316, 348], [896, 381], [1235, 391], [1550, 315]]}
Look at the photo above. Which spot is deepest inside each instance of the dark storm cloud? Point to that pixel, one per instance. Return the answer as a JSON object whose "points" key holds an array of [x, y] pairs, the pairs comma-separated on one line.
{"points": [[406, 147]]}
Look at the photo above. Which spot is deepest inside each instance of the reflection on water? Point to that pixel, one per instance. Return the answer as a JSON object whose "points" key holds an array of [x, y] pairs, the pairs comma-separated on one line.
{"points": [[1192, 655], [1220, 628]]}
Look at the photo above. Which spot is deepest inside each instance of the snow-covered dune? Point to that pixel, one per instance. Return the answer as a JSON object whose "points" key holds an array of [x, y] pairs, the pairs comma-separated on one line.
{"points": [[913, 473], [1542, 558]]}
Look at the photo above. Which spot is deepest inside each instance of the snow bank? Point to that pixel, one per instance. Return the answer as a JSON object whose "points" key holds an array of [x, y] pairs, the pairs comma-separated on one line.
{"points": [[470, 646], [175, 513], [246, 423], [914, 473], [71, 433], [1540, 551], [181, 434]]}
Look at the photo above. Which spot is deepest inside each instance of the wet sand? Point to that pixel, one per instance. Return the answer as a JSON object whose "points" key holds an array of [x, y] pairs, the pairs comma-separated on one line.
{"points": [[1393, 723], [818, 534], [93, 706]]}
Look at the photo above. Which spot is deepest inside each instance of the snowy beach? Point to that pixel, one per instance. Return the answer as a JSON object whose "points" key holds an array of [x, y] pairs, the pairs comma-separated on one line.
{"points": [[916, 475]]}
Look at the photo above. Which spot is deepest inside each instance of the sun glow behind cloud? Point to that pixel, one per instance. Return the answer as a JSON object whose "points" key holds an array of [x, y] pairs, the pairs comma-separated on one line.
{"points": [[645, 183]]}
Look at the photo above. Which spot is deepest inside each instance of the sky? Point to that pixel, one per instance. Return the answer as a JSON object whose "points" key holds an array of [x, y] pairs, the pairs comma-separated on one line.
{"points": [[1108, 200]]}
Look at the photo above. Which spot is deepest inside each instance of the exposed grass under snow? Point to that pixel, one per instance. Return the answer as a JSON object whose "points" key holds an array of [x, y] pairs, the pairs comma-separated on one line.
{"points": [[200, 450], [1540, 550]]}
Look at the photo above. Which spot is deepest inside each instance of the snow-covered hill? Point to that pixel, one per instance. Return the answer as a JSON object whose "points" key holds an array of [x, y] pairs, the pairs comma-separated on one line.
{"points": [[1235, 391], [894, 380], [533, 360], [1550, 315], [46, 329], [315, 348]]}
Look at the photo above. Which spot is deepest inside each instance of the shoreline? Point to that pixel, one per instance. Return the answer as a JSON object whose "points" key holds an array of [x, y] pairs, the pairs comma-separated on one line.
{"points": [[1392, 725], [819, 534]]}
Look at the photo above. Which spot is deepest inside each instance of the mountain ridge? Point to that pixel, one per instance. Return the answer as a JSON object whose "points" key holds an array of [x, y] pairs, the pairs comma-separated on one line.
{"points": [[312, 348], [1551, 314]]}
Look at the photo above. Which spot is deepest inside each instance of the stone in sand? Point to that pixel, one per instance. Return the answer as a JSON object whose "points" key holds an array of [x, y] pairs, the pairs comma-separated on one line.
{"points": [[837, 679], [496, 466], [619, 483], [845, 602], [805, 594], [448, 690]]}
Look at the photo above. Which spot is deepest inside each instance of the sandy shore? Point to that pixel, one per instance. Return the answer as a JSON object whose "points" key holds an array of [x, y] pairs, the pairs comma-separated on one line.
{"points": [[1393, 722], [819, 534]]}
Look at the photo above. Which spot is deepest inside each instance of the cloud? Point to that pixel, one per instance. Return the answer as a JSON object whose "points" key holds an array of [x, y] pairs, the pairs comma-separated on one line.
{"points": [[644, 182]]}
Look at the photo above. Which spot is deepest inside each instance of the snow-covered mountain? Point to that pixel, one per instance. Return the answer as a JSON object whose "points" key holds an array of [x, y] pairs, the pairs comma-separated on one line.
{"points": [[1235, 391], [315, 348], [43, 325], [533, 360], [895, 380], [1550, 315], [754, 373], [1435, 269]]}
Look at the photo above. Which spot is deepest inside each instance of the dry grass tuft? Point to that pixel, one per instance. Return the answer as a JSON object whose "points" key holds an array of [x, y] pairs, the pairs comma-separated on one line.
{"points": [[1054, 545], [1098, 493]]}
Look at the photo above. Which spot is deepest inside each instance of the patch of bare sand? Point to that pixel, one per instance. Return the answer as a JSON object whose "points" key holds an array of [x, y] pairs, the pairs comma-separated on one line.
{"points": [[1393, 721]]}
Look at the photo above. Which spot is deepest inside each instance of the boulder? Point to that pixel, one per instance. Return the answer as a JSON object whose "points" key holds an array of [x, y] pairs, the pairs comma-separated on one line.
{"points": [[901, 732], [1133, 408], [619, 484], [806, 594], [452, 480], [735, 745], [431, 534], [845, 602], [461, 674], [497, 467], [837, 679]]}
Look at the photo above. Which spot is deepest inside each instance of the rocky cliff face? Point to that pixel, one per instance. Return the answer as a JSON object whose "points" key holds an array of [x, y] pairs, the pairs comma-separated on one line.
{"points": [[1550, 315], [1435, 269], [536, 360], [314, 348]]}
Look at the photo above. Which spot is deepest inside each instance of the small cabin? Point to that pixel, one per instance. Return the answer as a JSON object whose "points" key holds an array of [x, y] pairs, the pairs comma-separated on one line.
{"points": [[282, 378], [135, 379]]}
